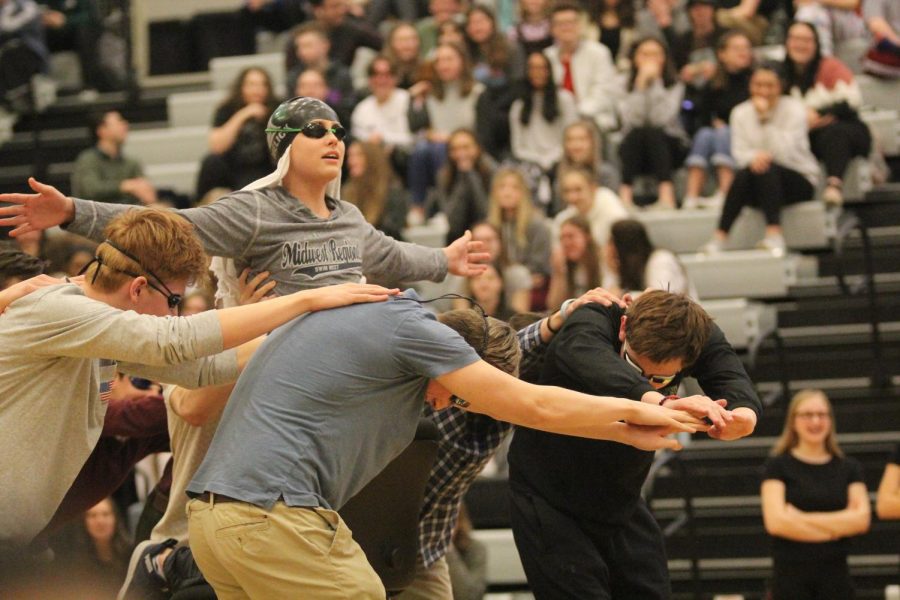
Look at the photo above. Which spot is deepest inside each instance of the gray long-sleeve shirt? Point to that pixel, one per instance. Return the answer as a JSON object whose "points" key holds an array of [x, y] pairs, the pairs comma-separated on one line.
{"points": [[270, 230], [53, 387]]}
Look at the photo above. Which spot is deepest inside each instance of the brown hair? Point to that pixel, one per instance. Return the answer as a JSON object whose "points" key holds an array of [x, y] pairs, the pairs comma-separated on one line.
{"points": [[664, 326], [163, 243], [501, 350], [466, 78], [590, 262], [496, 50], [235, 99], [369, 192], [789, 439]]}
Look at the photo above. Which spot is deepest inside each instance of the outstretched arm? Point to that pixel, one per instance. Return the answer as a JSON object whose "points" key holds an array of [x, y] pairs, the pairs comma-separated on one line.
{"points": [[489, 391]]}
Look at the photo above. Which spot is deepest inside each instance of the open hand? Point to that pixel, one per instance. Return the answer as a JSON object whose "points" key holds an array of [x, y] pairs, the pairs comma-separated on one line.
{"points": [[465, 258], [334, 296], [36, 212], [255, 290]]}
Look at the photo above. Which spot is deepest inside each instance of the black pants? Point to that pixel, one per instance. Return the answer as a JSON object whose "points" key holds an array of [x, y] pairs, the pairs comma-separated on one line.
{"points": [[569, 558], [650, 151], [828, 580], [769, 192], [836, 144], [217, 170]]}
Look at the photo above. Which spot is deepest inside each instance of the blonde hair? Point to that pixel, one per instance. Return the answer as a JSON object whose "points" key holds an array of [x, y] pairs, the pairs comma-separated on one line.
{"points": [[523, 210], [789, 438], [163, 243]]}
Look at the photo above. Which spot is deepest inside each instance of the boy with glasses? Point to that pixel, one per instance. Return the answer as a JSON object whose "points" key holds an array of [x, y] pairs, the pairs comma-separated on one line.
{"points": [[579, 522], [60, 348]]}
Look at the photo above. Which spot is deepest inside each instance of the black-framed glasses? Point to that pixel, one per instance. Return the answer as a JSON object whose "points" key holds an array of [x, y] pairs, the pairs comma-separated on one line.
{"points": [[173, 300], [660, 380], [313, 129]]}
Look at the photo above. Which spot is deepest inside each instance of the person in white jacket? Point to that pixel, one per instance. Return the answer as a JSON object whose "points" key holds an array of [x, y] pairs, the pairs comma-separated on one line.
{"points": [[583, 67], [770, 145]]}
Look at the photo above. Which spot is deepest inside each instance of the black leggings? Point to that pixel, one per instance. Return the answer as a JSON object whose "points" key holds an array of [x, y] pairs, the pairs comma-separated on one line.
{"points": [[836, 144], [650, 151], [769, 192], [826, 580]]}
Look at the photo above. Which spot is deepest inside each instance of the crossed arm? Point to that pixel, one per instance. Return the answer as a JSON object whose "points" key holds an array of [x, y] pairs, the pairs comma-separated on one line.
{"points": [[888, 503], [784, 520]]}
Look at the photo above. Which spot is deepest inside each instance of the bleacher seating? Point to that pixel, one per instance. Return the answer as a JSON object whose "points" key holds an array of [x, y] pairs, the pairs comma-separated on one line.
{"points": [[224, 70], [193, 109], [168, 145]]}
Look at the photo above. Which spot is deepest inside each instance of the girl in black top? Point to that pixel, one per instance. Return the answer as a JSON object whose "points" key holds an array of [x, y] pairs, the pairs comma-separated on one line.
{"points": [[616, 22], [239, 151], [813, 500]]}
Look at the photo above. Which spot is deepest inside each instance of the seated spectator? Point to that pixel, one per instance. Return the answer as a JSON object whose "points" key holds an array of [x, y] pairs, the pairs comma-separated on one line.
{"points": [[451, 32], [712, 142], [439, 107], [23, 52], [75, 25], [101, 558], [532, 32], [693, 50], [374, 189], [403, 49], [632, 264], [814, 500], [750, 16], [583, 67], [582, 149], [540, 115], [516, 277], [883, 19], [487, 290], [463, 182], [440, 12], [496, 62], [379, 12], [615, 20], [832, 99], [654, 141], [312, 46], [836, 21], [346, 32], [238, 148], [583, 197], [524, 234], [102, 172], [312, 83], [887, 503], [770, 146], [575, 263], [382, 118]]}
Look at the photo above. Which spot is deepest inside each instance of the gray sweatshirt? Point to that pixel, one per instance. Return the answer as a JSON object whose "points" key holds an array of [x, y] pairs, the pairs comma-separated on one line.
{"points": [[270, 230], [53, 388]]}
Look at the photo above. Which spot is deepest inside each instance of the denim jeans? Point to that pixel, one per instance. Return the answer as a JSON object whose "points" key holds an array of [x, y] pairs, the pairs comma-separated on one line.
{"points": [[712, 145]]}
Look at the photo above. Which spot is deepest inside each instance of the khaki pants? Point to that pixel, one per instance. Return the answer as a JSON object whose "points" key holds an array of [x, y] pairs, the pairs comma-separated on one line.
{"points": [[247, 552], [432, 583]]}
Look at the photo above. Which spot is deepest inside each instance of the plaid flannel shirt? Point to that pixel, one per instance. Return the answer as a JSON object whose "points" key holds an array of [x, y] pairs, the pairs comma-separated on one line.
{"points": [[468, 441]]}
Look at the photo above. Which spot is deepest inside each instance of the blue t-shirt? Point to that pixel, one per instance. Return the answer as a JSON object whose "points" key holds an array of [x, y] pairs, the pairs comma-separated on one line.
{"points": [[327, 402]]}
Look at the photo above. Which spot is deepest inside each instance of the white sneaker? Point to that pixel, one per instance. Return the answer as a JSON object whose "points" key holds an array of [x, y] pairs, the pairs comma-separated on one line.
{"points": [[774, 243], [713, 246], [714, 202], [690, 203]]}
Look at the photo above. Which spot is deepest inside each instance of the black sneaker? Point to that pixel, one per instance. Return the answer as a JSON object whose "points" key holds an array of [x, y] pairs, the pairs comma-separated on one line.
{"points": [[142, 582]]}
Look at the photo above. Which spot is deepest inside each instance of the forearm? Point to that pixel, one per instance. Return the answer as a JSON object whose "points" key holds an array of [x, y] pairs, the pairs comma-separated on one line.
{"points": [[881, 28], [842, 4], [888, 505], [242, 324], [840, 523], [89, 218], [798, 531], [222, 138]]}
